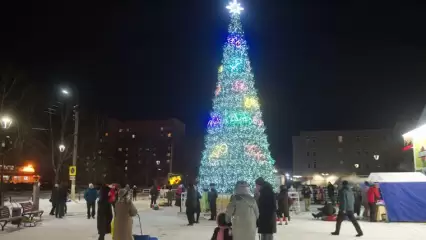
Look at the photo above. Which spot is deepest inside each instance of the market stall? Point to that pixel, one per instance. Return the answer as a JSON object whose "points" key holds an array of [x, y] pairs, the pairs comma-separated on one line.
{"points": [[404, 196]]}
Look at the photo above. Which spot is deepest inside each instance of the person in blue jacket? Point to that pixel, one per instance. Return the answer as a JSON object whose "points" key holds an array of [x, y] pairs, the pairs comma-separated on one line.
{"points": [[90, 196]]}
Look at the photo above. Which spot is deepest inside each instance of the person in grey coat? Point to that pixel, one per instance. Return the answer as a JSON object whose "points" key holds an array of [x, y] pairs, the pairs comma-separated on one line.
{"points": [[243, 212], [346, 208]]}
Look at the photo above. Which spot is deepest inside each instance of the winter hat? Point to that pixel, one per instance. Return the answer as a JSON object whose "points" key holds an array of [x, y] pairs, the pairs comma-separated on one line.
{"points": [[90, 185], [242, 188]]}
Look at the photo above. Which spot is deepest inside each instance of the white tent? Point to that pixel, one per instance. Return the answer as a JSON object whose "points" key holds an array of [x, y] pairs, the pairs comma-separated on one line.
{"points": [[381, 177]]}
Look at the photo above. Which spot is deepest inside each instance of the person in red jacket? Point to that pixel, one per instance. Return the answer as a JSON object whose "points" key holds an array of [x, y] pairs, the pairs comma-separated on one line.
{"points": [[372, 196]]}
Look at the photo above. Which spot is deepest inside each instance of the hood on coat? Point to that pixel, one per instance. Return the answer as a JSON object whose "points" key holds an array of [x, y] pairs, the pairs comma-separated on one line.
{"points": [[242, 188], [123, 195]]}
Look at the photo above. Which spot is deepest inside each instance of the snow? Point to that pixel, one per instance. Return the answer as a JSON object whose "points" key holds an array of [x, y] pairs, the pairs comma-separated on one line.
{"points": [[167, 224]]}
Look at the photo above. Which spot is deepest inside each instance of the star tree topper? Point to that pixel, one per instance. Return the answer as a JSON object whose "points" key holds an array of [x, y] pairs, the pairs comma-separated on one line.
{"points": [[235, 7]]}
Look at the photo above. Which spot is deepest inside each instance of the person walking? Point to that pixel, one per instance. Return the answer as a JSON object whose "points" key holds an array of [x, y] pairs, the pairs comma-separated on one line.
{"points": [[104, 217], [191, 204], [330, 192], [267, 222], [244, 212], [124, 211], [154, 195], [307, 193], [373, 195], [90, 196], [54, 199], [283, 205], [346, 208], [212, 197], [62, 199], [135, 193]]}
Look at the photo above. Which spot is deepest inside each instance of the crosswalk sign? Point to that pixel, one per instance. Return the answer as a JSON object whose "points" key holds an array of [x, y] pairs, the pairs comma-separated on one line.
{"points": [[73, 170]]}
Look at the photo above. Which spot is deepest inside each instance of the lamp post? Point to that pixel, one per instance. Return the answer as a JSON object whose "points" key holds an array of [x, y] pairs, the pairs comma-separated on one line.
{"points": [[66, 92], [6, 122]]}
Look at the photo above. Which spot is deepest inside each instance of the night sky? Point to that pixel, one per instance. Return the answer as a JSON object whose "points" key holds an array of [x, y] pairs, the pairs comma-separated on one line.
{"points": [[317, 64]]}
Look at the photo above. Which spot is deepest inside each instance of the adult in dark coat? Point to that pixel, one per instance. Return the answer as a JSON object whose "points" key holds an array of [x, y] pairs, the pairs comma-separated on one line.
{"points": [[198, 208], [330, 192], [154, 195], [62, 199], [54, 199], [346, 208], [267, 223], [212, 197], [104, 216], [191, 203], [283, 206]]}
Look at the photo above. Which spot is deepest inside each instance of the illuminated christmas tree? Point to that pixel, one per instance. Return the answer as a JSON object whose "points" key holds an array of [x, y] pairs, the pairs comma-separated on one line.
{"points": [[236, 144]]}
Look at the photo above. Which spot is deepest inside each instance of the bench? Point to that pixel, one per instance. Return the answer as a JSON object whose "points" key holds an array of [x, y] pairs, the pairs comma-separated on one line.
{"points": [[5, 218], [28, 212]]}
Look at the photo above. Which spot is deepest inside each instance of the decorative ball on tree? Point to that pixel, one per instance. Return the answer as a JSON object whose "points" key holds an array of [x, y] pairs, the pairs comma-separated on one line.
{"points": [[236, 143]]}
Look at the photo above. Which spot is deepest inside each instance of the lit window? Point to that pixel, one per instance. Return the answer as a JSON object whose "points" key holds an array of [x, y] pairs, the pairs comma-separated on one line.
{"points": [[154, 154], [169, 135], [159, 169], [168, 154], [168, 160], [106, 134], [158, 162], [161, 128], [127, 155], [340, 139], [126, 161], [356, 165], [120, 130], [127, 130], [88, 158], [125, 168], [133, 136], [139, 161], [127, 149], [100, 151], [120, 149], [100, 140]]}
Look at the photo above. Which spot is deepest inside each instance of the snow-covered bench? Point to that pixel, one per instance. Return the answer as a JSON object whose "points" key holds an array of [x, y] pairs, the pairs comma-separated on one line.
{"points": [[27, 211], [5, 218]]}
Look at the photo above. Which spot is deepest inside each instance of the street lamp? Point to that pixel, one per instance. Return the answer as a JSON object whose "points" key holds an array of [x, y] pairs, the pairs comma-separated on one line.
{"points": [[61, 148], [6, 122], [376, 156], [68, 92]]}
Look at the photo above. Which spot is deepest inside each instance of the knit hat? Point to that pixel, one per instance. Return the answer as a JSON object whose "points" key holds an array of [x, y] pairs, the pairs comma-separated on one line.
{"points": [[260, 181]]}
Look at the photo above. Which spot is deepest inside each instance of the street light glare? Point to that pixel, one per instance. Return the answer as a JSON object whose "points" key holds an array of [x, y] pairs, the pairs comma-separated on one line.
{"points": [[61, 147], [6, 121], [65, 92]]}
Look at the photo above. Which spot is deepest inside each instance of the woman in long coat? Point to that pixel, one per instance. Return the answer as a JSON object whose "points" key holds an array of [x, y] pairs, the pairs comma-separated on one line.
{"points": [[243, 212], [283, 206], [104, 216], [124, 211], [267, 210]]}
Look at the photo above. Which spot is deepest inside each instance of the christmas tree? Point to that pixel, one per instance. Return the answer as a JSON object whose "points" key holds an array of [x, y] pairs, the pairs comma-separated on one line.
{"points": [[236, 144]]}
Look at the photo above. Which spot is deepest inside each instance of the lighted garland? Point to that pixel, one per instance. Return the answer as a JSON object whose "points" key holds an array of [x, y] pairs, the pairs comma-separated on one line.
{"points": [[236, 144]]}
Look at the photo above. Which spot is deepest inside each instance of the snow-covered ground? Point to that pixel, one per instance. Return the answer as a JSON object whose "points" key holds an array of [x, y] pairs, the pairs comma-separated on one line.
{"points": [[166, 224]]}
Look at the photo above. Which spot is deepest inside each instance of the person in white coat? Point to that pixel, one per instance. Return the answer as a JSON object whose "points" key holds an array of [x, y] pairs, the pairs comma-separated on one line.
{"points": [[243, 212]]}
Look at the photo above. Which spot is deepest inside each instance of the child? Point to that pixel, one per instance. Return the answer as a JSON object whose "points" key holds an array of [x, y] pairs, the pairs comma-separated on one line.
{"points": [[223, 231]]}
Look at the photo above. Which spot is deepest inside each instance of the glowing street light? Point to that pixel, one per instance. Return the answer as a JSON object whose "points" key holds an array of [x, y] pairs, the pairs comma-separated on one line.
{"points": [[6, 121], [376, 156], [61, 147], [65, 92]]}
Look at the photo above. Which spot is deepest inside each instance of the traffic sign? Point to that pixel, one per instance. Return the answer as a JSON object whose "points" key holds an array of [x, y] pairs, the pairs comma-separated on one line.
{"points": [[72, 178], [73, 171]]}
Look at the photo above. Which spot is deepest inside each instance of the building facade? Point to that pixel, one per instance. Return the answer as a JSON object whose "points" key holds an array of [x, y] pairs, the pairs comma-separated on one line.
{"points": [[137, 152], [330, 154]]}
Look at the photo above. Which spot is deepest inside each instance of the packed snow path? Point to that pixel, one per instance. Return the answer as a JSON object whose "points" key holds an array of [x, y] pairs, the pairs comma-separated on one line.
{"points": [[166, 224]]}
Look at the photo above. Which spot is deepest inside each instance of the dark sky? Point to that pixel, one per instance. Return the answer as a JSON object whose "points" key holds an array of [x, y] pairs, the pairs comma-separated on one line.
{"points": [[318, 64]]}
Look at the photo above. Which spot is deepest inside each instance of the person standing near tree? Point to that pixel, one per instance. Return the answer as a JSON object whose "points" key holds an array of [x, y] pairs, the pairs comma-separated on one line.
{"points": [[90, 196], [54, 199], [212, 197], [267, 222], [191, 203], [346, 208]]}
